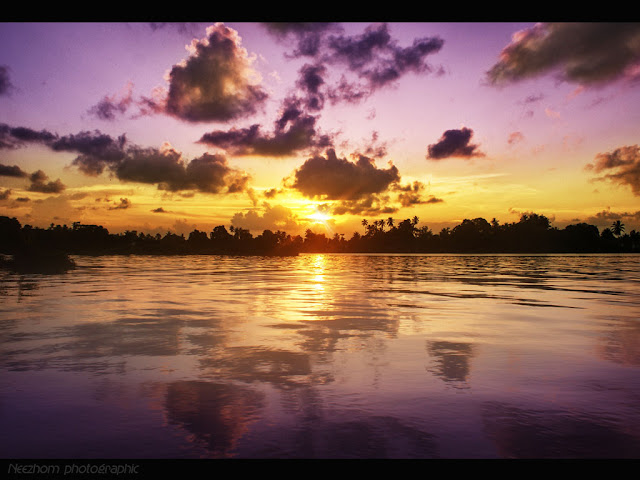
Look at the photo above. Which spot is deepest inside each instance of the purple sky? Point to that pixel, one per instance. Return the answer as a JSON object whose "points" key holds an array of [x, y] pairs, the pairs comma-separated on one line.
{"points": [[170, 126]]}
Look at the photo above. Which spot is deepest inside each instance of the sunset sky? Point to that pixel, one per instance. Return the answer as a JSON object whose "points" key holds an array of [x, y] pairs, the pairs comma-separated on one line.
{"points": [[165, 126]]}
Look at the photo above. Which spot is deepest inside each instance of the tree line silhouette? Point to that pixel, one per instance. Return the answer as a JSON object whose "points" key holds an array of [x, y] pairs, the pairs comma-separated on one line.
{"points": [[533, 233]]}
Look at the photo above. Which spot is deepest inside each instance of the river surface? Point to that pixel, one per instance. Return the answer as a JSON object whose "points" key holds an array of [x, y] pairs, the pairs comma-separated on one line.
{"points": [[323, 356]]}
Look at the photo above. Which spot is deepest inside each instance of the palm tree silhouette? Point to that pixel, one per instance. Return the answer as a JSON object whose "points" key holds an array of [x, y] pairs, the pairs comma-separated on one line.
{"points": [[617, 227], [390, 222], [414, 220], [365, 222]]}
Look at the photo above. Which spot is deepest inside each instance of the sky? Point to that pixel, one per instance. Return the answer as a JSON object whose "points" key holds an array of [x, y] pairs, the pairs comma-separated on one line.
{"points": [[159, 127]]}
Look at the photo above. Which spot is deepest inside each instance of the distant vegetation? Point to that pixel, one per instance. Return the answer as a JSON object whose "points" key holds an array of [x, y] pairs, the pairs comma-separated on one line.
{"points": [[531, 234]]}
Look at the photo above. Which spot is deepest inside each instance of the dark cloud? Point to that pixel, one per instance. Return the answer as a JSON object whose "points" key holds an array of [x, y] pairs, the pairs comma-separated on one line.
{"points": [[12, 171], [123, 205], [5, 83], [336, 178], [310, 81], [592, 53], [271, 193], [454, 143], [14, 137], [373, 58], [293, 131], [159, 210], [186, 28], [414, 194], [604, 218], [40, 183], [168, 170], [621, 166], [97, 150], [376, 57], [5, 194], [214, 82], [369, 205], [307, 35], [111, 106]]}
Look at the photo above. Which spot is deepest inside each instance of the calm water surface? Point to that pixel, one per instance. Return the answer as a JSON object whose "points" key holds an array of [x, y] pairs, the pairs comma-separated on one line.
{"points": [[323, 356]]}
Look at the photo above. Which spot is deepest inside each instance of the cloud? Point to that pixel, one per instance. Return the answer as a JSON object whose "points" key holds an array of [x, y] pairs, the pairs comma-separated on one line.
{"points": [[515, 137], [159, 210], [369, 205], [169, 171], [605, 217], [552, 113], [110, 106], [594, 53], [272, 218], [123, 205], [308, 36], [40, 183], [4, 195], [216, 82], [374, 148], [454, 143], [624, 165], [373, 58], [376, 57], [97, 150], [413, 194], [14, 137], [12, 171], [294, 131], [5, 83], [336, 178], [310, 81]]}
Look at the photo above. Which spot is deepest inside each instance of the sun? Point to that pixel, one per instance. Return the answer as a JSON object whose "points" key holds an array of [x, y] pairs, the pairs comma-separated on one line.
{"points": [[319, 217]]}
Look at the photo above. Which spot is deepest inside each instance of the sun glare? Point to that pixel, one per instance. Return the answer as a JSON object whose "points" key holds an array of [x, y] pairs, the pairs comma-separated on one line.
{"points": [[319, 217]]}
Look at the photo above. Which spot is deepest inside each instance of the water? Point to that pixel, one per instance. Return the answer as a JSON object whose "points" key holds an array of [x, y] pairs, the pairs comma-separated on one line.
{"points": [[323, 356]]}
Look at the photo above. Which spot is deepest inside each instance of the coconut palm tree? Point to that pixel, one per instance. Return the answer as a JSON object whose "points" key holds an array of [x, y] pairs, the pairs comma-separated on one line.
{"points": [[365, 222], [390, 222], [617, 228]]}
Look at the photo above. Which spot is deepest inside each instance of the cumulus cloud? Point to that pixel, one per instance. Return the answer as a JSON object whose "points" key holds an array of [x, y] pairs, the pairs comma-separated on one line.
{"points": [[621, 166], [274, 217], [592, 53], [40, 183], [12, 171], [369, 205], [97, 150], [216, 82], [14, 137], [294, 131], [336, 178], [167, 169], [5, 83], [454, 143]]}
